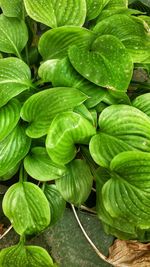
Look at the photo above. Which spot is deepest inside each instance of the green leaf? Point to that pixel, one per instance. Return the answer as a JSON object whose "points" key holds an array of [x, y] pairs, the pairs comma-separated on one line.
{"points": [[9, 174], [56, 202], [15, 78], [9, 117], [106, 55], [14, 35], [94, 8], [129, 186], [12, 8], [76, 185], [112, 4], [50, 102], [83, 111], [61, 73], [142, 102], [13, 149], [39, 166], [56, 13], [25, 256], [122, 128], [27, 208], [61, 38], [66, 130], [131, 31]]}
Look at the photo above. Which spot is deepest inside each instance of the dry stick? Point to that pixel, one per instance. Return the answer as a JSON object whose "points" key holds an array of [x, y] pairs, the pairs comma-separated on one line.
{"points": [[88, 209], [87, 237], [6, 232]]}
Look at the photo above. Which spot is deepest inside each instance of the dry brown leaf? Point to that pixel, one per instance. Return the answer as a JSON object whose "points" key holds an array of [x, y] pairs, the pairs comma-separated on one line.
{"points": [[129, 254]]}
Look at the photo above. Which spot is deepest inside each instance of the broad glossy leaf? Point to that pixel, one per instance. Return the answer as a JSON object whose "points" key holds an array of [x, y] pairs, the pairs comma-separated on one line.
{"points": [[9, 174], [142, 102], [116, 226], [56, 202], [129, 186], [56, 13], [9, 117], [12, 8], [54, 43], [50, 102], [14, 35], [61, 73], [27, 208], [39, 165], [122, 128], [83, 111], [112, 4], [15, 78], [94, 8], [106, 55], [66, 130], [131, 31], [13, 149], [76, 185], [25, 256]]}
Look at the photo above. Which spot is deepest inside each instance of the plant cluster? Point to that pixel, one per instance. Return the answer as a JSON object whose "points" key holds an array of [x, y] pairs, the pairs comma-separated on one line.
{"points": [[68, 117]]}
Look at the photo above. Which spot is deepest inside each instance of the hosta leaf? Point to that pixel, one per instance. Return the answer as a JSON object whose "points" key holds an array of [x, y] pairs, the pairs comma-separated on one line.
{"points": [[39, 166], [131, 31], [55, 42], [9, 117], [95, 7], [12, 8], [66, 130], [56, 202], [25, 256], [27, 208], [55, 13], [61, 73], [13, 149], [14, 78], [14, 35], [142, 102], [76, 185], [129, 186], [106, 55], [10, 173], [112, 4], [50, 102], [122, 128], [82, 110]]}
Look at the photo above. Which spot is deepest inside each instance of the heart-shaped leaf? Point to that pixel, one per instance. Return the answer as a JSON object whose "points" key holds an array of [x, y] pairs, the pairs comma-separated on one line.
{"points": [[9, 117], [13, 8], [39, 166], [50, 102], [76, 185], [14, 35], [122, 128], [106, 55], [94, 8], [55, 42], [61, 73], [129, 186], [25, 256], [13, 149], [27, 208], [131, 31], [142, 102], [14, 78], [56, 202], [66, 130], [56, 13]]}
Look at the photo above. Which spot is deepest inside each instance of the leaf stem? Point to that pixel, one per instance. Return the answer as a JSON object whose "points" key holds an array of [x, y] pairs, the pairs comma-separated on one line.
{"points": [[103, 257], [6, 232], [22, 174], [88, 209]]}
